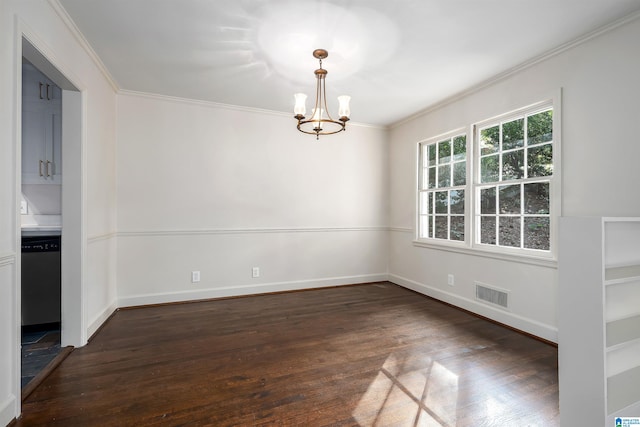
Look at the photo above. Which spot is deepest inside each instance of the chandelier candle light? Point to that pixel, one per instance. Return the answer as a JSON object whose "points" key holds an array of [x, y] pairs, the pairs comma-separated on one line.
{"points": [[321, 122]]}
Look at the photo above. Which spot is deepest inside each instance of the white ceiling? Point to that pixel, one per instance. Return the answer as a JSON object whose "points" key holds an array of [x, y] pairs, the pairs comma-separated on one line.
{"points": [[394, 58]]}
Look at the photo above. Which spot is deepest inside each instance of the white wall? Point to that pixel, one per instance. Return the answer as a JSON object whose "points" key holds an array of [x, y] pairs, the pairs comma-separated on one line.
{"points": [[49, 33], [219, 190], [600, 152]]}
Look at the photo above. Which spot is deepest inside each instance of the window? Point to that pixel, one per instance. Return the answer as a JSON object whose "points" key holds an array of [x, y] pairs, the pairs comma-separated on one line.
{"points": [[443, 180], [506, 204], [515, 166]]}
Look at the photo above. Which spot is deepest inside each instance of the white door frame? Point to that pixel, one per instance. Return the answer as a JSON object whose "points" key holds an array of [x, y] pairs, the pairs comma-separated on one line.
{"points": [[74, 242]]}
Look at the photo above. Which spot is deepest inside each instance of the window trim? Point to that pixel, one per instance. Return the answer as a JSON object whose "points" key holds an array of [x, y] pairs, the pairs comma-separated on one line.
{"points": [[420, 176], [469, 245]]}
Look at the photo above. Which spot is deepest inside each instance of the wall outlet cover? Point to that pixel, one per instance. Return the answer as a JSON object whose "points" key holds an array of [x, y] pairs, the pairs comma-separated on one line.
{"points": [[195, 276]]}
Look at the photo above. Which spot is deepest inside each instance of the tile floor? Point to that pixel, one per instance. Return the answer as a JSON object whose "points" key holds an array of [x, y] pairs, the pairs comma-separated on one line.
{"points": [[40, 345]]}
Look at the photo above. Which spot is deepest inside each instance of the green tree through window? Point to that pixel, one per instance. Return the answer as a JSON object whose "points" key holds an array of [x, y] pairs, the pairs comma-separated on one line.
{"points": [[506, 204], [516, 163], [442, 188]]}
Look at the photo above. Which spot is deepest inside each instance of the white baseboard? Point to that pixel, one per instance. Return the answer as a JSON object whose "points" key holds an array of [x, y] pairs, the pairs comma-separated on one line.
{"points": [[231, 291], [101, 318], [8, 410], [524, 324]]}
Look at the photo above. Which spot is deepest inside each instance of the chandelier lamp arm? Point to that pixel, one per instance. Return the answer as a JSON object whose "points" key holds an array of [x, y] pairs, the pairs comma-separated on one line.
{"points": [[321, 122]]}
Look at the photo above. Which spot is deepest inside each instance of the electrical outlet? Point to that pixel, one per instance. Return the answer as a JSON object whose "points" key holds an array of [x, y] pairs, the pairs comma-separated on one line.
{"points": [[255, 272], [195, 276], [450, 280]]}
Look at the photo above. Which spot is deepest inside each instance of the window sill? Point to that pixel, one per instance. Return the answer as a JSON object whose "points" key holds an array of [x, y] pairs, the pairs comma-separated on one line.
{"points": [[541, 261]]}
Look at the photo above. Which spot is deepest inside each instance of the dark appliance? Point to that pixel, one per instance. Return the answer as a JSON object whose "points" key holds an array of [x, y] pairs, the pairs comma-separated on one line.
{"points": [[40, 280]]}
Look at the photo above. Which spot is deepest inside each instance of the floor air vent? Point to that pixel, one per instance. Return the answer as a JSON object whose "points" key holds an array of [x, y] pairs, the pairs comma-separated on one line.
{"points": [[492, 295]]}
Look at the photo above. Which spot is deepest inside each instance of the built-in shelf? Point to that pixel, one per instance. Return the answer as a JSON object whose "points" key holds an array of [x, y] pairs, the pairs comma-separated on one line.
{"points": [[625, 274], [599, 319], [623, 331], [623, 389]]}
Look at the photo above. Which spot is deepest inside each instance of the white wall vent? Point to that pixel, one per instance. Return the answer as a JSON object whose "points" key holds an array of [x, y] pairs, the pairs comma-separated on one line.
{"points": [[493, 296]]}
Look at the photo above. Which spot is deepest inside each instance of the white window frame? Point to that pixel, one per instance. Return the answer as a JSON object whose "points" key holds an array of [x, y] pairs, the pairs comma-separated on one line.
{"points": [[471, 245], [421, 168]]}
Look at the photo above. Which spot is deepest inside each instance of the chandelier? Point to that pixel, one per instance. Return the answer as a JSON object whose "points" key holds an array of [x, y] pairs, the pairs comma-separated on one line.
{"points": [[320, 122]]}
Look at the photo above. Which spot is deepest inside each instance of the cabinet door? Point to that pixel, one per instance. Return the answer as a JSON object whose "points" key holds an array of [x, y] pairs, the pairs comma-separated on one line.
{"points": [[41, 128], [55, 148], [41, 144], [34, 137], [33, 86]]}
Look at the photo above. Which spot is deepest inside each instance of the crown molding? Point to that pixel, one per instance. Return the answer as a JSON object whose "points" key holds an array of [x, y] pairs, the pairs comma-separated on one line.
{"points": [[75, 31], [199, 102], [77, 34], [521, 67], [219, 105]]}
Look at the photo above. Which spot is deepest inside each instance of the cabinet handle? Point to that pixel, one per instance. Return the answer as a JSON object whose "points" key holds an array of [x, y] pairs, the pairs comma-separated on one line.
{"points": [[48, 95], [48, 173], [40, 168], [40, 92]]}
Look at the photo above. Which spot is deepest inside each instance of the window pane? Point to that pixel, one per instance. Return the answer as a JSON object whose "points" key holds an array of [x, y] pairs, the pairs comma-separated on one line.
{"points": [[488, 230], [509, 231], [540, 127], [540, 161], [460, 173], [444, 151], [489, 140], [513, 192], [432, 177], [444, 176], [513, 165], [432, 155], [442, 202], [456, 201], [488, 200], [460, 147], [536, 198], [489, 169], [536, 233], [513, 134], [510, 199], [457, 228], [441, 227]]}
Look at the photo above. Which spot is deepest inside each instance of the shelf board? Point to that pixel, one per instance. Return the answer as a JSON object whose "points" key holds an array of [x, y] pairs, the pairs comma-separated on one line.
{"points": [[615, 275], [623, 390], [623, 331]]}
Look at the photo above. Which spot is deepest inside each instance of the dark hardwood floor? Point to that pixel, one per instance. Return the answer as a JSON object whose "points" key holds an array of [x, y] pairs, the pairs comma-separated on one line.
{"points": [[365, 355]]}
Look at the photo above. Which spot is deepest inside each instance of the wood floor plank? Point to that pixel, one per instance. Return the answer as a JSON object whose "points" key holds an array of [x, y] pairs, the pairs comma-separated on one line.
{"points": [[373, 354]]}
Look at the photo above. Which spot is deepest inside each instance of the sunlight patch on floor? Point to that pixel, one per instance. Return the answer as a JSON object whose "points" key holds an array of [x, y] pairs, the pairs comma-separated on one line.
{"points": [[399, 396]]}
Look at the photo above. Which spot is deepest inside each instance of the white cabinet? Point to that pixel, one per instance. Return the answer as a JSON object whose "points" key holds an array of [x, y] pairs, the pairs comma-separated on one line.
{"points": [[599, 320], [41, 128]]}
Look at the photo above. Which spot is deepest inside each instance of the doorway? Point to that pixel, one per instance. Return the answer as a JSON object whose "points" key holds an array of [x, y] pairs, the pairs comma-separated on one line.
{"points": [[69, 223], [41, 223]]}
